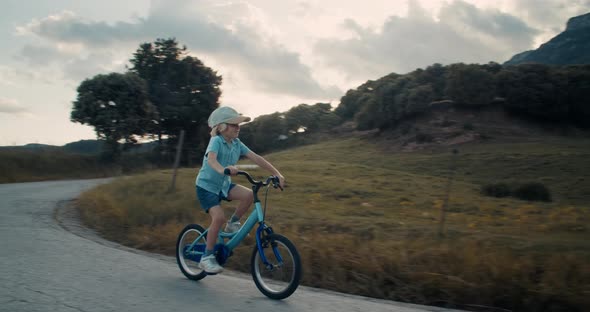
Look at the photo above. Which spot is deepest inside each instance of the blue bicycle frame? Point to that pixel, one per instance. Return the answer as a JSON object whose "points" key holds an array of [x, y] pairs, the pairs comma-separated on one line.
{"points": [[257, 216]]}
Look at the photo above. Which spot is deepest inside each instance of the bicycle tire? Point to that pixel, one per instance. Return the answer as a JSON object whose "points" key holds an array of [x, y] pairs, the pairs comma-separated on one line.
{"points": [[279, 285], [189, 267]]}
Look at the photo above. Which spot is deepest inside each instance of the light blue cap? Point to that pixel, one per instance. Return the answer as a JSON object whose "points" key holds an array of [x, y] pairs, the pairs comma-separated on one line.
{"points": [[226, 114]]}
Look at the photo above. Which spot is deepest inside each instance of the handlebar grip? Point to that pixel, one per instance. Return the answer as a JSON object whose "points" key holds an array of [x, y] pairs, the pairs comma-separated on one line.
{"points": [[226, 171], [276, 183]]}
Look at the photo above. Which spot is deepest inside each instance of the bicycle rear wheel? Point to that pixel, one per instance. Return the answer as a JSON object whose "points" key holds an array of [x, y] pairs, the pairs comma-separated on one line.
{"points": [[188, 260], [281, 277]]}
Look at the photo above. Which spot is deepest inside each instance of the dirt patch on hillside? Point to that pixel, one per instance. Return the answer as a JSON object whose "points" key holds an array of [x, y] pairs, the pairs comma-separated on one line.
{"points": [[448, 126]]}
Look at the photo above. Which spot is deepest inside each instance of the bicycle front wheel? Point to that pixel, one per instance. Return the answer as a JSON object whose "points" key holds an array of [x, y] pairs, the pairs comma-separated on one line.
{"points": [[188, 260], [280, 277]]}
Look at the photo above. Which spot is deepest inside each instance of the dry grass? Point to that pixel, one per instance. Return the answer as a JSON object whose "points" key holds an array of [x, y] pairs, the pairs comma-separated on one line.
{"points": [[38, 165], [365, 222], [22, 165]]}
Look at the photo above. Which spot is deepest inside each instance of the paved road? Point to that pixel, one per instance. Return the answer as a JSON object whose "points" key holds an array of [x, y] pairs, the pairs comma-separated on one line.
{"points": [[45, 267]]}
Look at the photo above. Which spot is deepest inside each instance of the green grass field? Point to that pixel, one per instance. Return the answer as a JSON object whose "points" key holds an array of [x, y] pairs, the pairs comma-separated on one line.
{"points": [[366, 221]]}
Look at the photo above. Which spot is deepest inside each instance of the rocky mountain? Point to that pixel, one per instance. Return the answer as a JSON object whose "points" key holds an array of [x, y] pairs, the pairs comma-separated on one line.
{"points": [[572, 46]]}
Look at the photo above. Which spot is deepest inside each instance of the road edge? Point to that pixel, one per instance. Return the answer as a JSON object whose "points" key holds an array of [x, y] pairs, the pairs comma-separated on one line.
{"points": [[67, 216]]}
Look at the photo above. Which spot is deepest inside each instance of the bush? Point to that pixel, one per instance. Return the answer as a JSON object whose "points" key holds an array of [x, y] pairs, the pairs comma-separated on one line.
{"points": [[496, 190], [447, 123], [468, 126], [405, 129], [532, 191], [424, 138]]}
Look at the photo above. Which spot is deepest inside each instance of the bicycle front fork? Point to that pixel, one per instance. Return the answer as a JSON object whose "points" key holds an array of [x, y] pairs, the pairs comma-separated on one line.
{"points": [[263, 234]]}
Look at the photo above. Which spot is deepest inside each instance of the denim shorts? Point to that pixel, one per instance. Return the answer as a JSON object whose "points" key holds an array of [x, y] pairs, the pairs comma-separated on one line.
{"points": [[208, 199]]}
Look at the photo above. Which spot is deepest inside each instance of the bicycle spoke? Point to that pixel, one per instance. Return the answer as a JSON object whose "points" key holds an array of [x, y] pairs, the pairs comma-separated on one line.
{"points": [[188, 260], [277, 279]]}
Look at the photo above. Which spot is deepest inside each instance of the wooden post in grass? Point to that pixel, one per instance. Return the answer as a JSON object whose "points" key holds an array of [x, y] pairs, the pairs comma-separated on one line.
{"points": [[443, 209], [177, 160]]}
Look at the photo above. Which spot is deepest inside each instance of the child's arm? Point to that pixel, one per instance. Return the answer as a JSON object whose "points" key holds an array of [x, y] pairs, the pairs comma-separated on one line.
{"points": [[263, 163], [213, 163]]}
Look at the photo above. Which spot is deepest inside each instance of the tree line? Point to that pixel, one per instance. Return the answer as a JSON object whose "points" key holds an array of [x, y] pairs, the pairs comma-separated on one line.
{"points": [[291, 128], [165, 90], [543, 93]]}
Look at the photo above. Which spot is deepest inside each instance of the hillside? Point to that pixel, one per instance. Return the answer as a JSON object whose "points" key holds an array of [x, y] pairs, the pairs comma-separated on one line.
{"points": [[435, 106], [572, 46], [446, 126], [84, 147], [366, 220], [538, 95]]}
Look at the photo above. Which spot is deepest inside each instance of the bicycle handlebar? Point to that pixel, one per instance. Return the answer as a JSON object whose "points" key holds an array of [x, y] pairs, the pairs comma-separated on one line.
{"points": [[272, 179]]}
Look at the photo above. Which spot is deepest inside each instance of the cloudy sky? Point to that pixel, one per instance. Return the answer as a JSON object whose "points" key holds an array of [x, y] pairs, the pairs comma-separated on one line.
{"points": [[272, 54]]}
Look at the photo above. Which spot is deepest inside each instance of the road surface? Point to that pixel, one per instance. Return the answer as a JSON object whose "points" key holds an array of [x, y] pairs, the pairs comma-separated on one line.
{"points": [[51, 263]]}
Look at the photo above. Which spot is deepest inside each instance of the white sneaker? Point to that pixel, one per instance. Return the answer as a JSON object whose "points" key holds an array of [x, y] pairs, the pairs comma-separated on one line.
{"points": [[209, 264], [232, 227]]}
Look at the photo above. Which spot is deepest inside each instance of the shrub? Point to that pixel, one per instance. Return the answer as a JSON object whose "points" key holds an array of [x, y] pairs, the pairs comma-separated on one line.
{"points": [[405, 129], [496, 190], [424, 138], [468, 126], [532, 191], [484, 136], [447, 123]]}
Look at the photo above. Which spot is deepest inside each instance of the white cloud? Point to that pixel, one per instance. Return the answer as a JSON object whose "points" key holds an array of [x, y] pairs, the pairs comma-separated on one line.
{"points": [[491, 25], [68, 27], [550, 16], [7, 76], [550, 13], [238, 43], [40, 55], [461, 33], [12, 107], [244, 38], [272, 54]]}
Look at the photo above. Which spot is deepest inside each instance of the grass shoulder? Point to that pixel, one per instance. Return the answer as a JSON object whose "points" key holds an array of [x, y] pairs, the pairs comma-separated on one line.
{"points": [[365, 220]]}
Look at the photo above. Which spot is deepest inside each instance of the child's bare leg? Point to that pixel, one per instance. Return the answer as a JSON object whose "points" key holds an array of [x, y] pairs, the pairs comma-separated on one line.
{"points": [[245, 196], [217, 220]]}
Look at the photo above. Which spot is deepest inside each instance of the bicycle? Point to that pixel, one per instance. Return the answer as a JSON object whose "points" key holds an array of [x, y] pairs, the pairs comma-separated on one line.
{"points": [[275, 264]]}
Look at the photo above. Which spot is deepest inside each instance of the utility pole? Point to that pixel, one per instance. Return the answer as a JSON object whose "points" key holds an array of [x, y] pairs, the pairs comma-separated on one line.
{"points": [[443, 209], [177, 161]]}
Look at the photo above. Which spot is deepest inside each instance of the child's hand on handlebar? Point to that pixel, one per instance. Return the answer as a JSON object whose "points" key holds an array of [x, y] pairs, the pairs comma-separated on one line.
{"points": [[281, 181], [232, 170]]}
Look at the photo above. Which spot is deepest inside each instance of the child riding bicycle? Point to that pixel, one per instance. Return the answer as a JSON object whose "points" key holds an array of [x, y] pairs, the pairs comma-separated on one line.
{"points": [[212, 185]]}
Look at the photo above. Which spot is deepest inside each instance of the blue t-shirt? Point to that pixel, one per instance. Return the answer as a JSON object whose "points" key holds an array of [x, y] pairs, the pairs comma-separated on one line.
{"points": [[228, 154]]}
